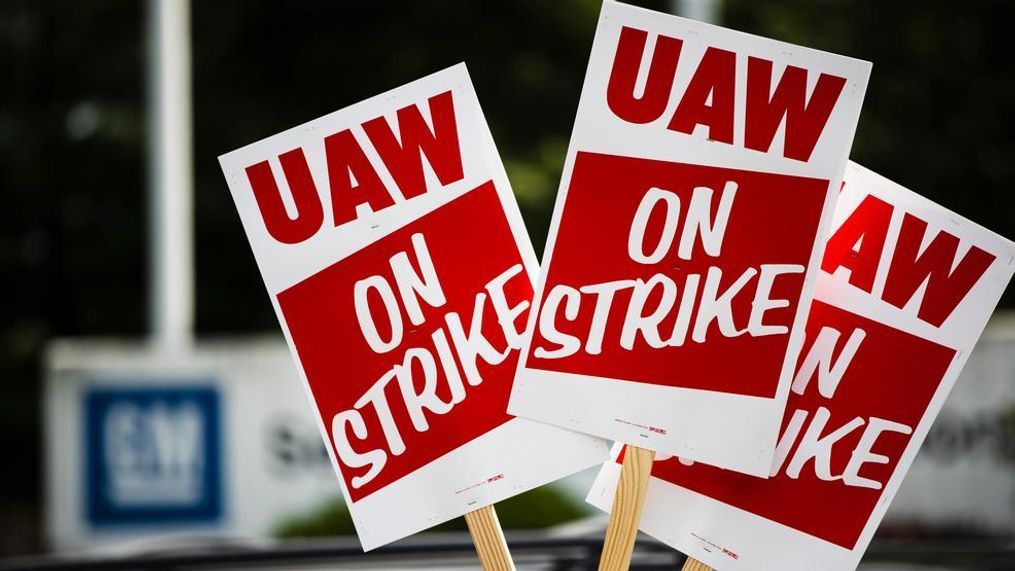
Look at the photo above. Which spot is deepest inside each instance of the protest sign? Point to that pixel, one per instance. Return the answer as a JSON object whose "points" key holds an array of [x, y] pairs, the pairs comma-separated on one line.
{"points": [[683, 247], [904, 291], [400, 270]]}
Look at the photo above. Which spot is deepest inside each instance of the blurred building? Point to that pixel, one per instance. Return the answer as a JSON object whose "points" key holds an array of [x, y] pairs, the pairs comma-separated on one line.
{"points": [[218, 441]]}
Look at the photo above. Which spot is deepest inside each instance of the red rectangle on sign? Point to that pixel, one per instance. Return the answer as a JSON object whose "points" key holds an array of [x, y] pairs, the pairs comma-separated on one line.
{"points": [[446, 382], [830, 490], [737, 347]]}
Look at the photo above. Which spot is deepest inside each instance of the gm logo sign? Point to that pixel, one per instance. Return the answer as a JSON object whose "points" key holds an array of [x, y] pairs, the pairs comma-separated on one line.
{"points": [[152, 455]]}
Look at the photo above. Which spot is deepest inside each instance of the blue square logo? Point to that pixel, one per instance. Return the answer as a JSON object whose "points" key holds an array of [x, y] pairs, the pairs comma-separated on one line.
{"points": [[152, 455]]}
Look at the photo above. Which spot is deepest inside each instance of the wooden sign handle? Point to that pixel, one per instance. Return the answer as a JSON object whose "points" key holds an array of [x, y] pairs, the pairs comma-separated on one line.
{"points": [[488, 537], [693, 564], [627, 504]]}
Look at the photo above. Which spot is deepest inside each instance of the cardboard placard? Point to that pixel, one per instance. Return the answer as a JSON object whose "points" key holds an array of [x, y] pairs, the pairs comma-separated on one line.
{"points": [[682, 252], [905, 290], [401, 272]]}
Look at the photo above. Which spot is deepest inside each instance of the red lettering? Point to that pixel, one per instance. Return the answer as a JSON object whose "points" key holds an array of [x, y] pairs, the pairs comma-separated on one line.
{"points": [[710, 96], [353, 180], [346, 162], [620, 91], [715, 77], [805, 120], [309, 211], [404, 158], [858, 244], [945, 288]]}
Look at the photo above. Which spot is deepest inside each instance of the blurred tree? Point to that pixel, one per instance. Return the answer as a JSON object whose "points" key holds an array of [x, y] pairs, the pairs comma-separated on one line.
{"points": [[940, 107], [72, 226]]}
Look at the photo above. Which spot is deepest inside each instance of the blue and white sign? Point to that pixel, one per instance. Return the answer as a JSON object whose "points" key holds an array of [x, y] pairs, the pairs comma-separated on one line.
{"points": [[143, 444], [153, 454]]}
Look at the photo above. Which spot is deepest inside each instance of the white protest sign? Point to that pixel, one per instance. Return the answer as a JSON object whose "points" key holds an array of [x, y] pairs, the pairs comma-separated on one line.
{"points": [[399, 267], [683, 248], [905, 290]]}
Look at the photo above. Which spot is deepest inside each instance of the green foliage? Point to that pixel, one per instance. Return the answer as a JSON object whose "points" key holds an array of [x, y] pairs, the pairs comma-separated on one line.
{"points": [[539, 508], [330, 519]]}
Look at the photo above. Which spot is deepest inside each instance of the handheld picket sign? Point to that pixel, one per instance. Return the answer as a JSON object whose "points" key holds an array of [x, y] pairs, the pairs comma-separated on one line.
{"points": [[400, 270], [699, 187], [682, 252], [905, 290]]}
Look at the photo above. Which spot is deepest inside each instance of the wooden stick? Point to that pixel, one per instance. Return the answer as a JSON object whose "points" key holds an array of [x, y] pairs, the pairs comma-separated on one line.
{"points": [[693, 564], [488, 537], [627, 504]]}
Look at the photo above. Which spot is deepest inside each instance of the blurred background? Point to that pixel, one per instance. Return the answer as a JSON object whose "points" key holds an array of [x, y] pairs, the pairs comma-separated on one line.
{"points": [[128, 364]]}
